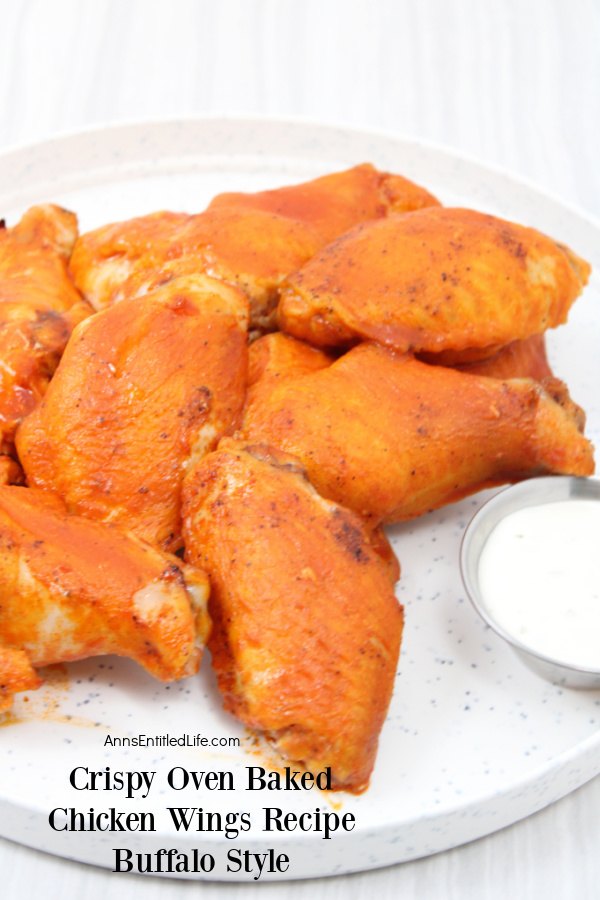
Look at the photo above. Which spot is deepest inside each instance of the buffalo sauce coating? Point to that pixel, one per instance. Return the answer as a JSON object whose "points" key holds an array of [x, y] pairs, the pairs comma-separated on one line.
{"points": [[306, 625], [275, 357], [278, 356], [334, 203], [437, 279], [10, 471], [519, 359], [143, 387], [251, 240], [71, 588]]}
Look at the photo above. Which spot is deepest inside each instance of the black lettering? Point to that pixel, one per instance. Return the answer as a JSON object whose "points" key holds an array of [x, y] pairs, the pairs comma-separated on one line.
{"points": [[178, 778], [182, 816], [256, 778], [52, 820], [245, 860], [123, 858], [234, 857], [73, 778], [272, 817]]}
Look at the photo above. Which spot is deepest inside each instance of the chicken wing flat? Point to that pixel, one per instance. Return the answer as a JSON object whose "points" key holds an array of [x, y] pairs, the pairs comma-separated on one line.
{"points": [[435, 280], [71, 588], [143, 387], [39, 307], [392, 437], [16, 674], [306, 625], [251, 240]]}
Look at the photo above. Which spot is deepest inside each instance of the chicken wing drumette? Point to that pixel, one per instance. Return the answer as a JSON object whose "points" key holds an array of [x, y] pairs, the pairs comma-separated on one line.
{"points": [[392, 437]]}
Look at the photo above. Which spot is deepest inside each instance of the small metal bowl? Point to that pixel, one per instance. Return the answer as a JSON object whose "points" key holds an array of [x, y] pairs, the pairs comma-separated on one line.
{"points": [[533, 492]]}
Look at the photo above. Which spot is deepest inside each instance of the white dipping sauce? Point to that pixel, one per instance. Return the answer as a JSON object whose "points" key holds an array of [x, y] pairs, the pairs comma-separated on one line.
{"points": [[539, 577]]}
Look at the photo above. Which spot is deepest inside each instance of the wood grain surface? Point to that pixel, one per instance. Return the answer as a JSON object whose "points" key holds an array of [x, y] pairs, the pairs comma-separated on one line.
{"points": [[511, 82]]}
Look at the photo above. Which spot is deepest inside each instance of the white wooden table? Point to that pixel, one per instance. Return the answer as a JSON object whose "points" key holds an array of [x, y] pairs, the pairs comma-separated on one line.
{"points": [[511, 82]]}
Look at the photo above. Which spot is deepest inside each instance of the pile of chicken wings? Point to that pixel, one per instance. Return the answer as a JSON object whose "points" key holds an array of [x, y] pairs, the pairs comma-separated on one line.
{"points": [[206, 419]]}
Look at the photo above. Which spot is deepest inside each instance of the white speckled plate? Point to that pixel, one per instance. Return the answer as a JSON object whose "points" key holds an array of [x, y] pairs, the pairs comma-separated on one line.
{"points": [[474, 740]]}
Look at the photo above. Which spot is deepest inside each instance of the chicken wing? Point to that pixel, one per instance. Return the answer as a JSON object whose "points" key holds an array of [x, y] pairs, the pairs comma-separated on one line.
{"points": [[39, 307], [391, 437], [72, 588], [143, 387], [306, 626], [435, 280], [250, 240]]}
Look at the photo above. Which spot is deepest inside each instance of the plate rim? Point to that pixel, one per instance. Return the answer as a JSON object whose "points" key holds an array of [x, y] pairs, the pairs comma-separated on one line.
{"points": [[446, 150]]}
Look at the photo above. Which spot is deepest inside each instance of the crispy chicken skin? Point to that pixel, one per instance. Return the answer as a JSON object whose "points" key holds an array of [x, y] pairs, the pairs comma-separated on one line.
{"points": [[391, 437], [278, 356], [250, 240], [438, 279], [39, 306], [16, 674], [527, 359], [10, 471], [519, 359], [143, 387], [306, 626], [334, 203], [71, 588]]}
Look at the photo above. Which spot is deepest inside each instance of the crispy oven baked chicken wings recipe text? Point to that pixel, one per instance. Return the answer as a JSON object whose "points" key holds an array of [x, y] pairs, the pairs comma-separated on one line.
{"points": [[146, 416]]}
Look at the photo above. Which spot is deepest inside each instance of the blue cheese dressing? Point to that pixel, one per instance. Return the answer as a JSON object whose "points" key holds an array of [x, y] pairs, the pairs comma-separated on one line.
{"points": [[539, 578]]}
